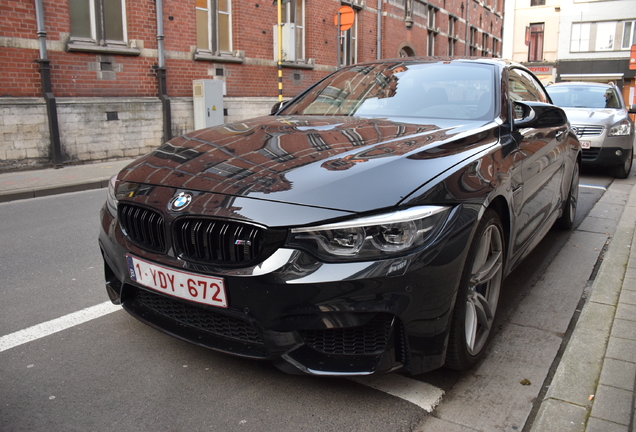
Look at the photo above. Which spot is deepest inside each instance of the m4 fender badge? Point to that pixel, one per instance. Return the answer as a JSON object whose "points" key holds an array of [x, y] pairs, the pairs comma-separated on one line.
{"points": [[180, 201]]}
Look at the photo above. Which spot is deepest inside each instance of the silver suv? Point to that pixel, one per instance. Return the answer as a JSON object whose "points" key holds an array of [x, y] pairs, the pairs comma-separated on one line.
{"points": [[599, 115]]}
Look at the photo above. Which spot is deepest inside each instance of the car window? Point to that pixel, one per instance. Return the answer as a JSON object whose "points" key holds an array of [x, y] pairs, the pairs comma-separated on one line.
{"points": [[436, 90], [582, 96]]}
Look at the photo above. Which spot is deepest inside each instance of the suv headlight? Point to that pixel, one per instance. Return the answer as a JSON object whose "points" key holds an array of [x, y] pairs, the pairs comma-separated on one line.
{"points": [[111, 199], [621, 128], [373, 237]]}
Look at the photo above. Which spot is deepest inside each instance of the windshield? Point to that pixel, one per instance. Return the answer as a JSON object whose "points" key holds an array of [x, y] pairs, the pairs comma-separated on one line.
{"points": [[584, 97], [438, 90]]}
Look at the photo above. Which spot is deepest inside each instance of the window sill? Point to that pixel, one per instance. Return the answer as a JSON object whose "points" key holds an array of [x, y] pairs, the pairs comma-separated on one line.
{"points": [[302, 64], [108, 49], [223, 58]]}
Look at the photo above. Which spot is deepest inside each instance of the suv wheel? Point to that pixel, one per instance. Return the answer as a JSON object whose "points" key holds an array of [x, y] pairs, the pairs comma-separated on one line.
{"points": [[622, 171]]}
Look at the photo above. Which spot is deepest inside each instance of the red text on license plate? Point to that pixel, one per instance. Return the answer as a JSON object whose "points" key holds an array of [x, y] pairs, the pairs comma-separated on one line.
{"points": [[208, 290], [586, 144]]}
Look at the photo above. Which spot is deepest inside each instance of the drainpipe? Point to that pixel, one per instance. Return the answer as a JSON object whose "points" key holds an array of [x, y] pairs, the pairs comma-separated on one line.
{"points": [[161, 76], [466, 52], [47, 90], [378, 40]]}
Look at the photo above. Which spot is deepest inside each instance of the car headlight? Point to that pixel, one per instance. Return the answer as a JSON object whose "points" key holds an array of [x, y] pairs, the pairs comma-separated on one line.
{"points": [[111, 199], [373, 237], [621, 128]]}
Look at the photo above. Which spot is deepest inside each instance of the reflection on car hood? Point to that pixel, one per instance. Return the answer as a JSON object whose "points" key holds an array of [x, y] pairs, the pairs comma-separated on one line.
{"points": [[596, 116], [344, 163]]}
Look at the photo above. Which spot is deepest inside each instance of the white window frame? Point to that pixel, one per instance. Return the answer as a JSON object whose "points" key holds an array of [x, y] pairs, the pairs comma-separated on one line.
{"points": [[213, 27], [612, 33], [93, 24], [353, 39], [632, 34], [584, 29], [287, 19]]}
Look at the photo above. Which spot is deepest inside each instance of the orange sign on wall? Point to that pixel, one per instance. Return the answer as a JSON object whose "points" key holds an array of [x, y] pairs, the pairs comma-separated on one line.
{"points": [[632, 58], [347, 15]]}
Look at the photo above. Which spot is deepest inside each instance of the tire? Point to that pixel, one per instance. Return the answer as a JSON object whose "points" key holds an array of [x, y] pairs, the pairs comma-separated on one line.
{"points": [[622, 171], [478, 295], [566, 221]]}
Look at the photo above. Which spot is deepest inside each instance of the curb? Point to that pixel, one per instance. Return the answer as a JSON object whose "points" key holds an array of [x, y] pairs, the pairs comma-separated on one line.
{"points": [[568, 402], [53, 190]]}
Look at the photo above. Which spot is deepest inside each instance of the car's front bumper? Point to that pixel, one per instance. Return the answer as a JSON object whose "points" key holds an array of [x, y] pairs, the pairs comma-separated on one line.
{"points": [[605, 156], [308, 316]]}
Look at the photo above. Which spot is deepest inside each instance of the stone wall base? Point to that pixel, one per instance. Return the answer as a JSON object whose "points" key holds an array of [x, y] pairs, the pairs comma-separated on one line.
{"points": [[100, 129]]}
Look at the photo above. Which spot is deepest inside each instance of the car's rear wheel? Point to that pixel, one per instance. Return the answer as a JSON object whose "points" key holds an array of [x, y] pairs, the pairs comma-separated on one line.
{"points": [[566, 221], [478, 295], [622, 171]]}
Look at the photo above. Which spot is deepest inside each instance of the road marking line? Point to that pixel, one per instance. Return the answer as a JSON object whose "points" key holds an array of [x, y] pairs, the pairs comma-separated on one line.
{"points": [[422, 394], [56, 325], [593, 187]]}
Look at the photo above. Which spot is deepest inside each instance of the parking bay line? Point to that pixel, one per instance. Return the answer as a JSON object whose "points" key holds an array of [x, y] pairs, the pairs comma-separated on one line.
{"points": [[56, 325], [422, 394], [593, 187]]}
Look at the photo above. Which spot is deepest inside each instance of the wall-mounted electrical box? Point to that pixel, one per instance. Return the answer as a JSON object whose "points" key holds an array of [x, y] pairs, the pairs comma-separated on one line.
{"points": [[289, 42], [207, 96]]}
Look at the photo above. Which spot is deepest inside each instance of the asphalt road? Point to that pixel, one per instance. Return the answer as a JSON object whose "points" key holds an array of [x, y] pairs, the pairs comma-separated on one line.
{"points": [[114, 373]]}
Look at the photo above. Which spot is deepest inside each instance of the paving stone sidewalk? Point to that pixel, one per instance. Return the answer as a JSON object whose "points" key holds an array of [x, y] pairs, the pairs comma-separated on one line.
{"points": [[594, 385], [42, 182]]}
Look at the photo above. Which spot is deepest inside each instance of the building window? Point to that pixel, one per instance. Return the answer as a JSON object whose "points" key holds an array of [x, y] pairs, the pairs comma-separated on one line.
{"points": [[431, 17], [484, 44], [535, 43], [452, 25], [495, 53], [349, 44], [605, 35], [580, 37], [214, 26], [537, 2], [98, 22], [294, 13], [473, 39], [629, 34]]}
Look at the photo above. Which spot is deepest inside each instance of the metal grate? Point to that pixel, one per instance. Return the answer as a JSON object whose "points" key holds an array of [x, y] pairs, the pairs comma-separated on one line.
{"points": [[143, 227], [371, 338], [201, 319], [588, 131], [217, 241]]}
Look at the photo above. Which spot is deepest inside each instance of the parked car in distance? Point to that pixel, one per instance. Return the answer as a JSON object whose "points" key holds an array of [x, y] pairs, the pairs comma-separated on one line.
{"points": [[602, 123], [367, 226]]}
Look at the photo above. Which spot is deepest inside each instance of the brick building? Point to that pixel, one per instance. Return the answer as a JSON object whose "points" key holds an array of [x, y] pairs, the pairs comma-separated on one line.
{"points": [[88, 80]]}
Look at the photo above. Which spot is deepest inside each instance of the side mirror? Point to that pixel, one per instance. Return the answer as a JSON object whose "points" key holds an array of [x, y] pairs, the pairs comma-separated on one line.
{"points": [[278, 106], [632, 109], [538, 115]]}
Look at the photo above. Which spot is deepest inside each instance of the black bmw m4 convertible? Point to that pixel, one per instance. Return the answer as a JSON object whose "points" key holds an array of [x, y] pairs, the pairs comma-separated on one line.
{"points": [[366, 226]]}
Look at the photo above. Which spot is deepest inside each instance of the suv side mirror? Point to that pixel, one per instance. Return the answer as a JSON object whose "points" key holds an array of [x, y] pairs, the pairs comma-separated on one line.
{"points": [[538, 115]]}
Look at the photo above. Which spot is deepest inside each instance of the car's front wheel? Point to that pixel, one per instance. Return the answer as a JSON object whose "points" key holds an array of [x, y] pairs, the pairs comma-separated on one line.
{"points": [[622, 171], [566, 221], [478, 295]]}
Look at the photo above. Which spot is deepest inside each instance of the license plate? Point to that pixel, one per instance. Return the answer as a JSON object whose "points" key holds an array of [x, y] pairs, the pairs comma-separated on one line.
{"points": [[207, 290], [586, 144]]}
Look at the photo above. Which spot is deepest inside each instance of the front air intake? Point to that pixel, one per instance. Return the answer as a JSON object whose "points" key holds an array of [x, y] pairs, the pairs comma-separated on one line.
{"points": [[215, 241]]}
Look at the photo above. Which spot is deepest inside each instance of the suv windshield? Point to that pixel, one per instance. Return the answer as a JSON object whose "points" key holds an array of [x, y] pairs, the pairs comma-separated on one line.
{"points": [[576, 96], [437, 90]]}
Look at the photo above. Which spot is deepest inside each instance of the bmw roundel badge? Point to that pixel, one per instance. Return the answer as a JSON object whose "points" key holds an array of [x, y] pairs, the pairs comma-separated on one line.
{"points": [[180, 201]]}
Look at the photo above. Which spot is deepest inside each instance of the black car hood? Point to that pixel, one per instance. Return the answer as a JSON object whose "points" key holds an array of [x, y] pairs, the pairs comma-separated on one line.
{"points": [[343, 163]]}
